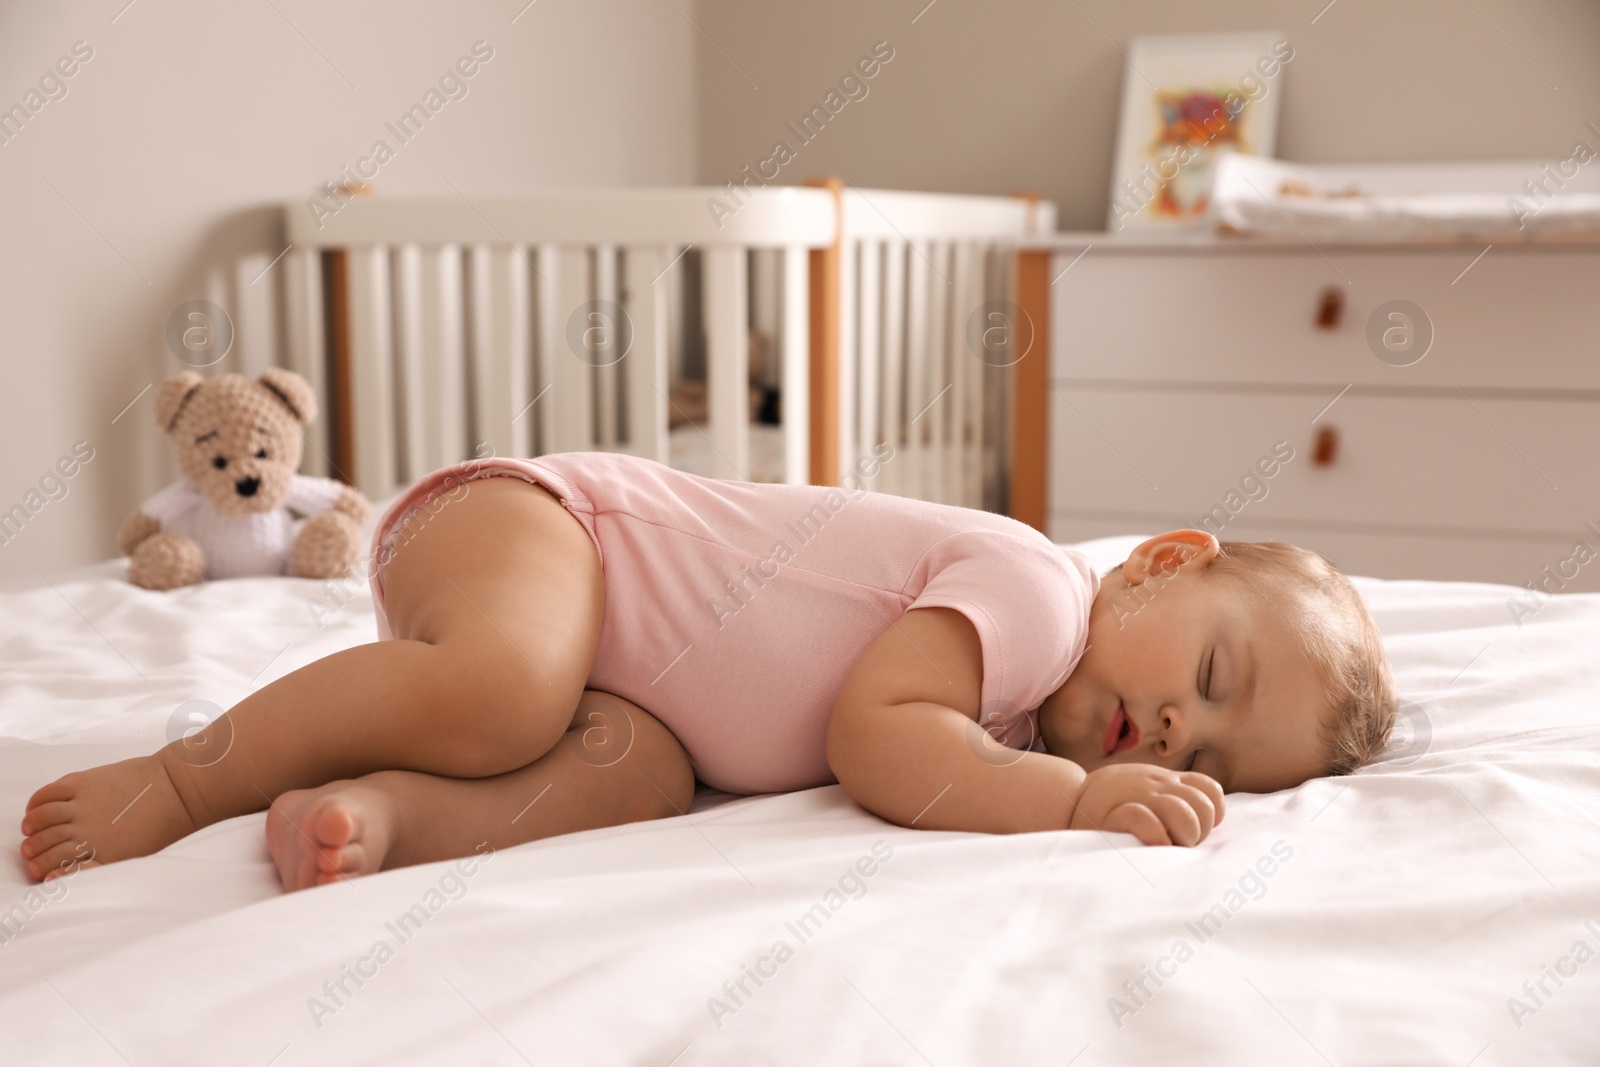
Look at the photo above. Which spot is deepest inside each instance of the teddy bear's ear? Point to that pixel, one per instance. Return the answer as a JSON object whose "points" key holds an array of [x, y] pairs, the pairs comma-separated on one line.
{"points": [[174, 391], [293, 390]]}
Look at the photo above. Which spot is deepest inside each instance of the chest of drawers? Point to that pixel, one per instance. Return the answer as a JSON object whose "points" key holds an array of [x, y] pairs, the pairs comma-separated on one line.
{"points": [[1407, 411]]}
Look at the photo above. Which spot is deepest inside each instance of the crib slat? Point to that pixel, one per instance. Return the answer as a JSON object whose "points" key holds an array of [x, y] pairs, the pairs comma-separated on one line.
{"points": [[608, 375], [869, 303], [728, 358], [475, 259], [571, 396], [954, 460], [961, 392], [972, 450], [645, 365], [254, 335], [371, 378], [444, 379], [936, 485], [849, 415], [511, 354], [480, 294], [219, 290], [917, 370], [305, 352], [672, 283], [499, 349], [795, 391], [1001, 384], [967, 440], [894, 359], [939, 305], [547, 295], [412, 401]]}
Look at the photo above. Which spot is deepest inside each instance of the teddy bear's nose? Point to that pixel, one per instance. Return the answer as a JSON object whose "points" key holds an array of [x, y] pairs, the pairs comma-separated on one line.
{"points": [[247, 486]]}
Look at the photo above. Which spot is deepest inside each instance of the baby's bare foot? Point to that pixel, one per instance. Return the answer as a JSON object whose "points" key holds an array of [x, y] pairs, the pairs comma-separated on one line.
{"points": [[317, 836], [110, 813]]}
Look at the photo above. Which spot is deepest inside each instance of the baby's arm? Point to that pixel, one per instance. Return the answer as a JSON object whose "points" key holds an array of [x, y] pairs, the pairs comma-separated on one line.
{"points": [[905, 744]]}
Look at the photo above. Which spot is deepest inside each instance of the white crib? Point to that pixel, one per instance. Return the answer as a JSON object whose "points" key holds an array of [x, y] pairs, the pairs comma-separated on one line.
{"points": [[566, 320]]}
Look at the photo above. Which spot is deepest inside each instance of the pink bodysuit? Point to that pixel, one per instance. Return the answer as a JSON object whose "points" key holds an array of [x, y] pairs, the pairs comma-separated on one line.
{"points": [[734, 611]]}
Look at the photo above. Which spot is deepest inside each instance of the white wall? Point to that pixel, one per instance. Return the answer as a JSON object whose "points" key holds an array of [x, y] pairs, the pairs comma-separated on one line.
{"points": [[194, 119], [1004, 95]]}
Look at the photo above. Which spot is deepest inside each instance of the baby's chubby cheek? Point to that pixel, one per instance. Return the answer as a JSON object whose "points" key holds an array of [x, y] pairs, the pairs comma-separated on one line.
{"points": [[1072, 726]]}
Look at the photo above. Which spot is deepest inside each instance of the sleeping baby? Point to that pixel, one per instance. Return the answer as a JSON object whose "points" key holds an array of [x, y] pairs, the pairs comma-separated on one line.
{"points": [[574, 641]]}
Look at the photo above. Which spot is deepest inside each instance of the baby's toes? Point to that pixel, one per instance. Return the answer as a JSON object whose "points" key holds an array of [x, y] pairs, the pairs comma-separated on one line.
{"points": [[46, 815], [302, 876], [334, 824], [343, 874], [64, 788], [38, 843], [55, 862], [347, 860]]}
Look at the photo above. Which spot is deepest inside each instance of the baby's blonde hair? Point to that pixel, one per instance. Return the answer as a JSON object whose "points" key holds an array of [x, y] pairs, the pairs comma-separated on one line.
{"points": [[1339, 636]]}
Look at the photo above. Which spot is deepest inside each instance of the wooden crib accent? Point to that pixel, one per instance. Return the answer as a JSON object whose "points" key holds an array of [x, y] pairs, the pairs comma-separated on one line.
{"points": [[823, 380], [1030, 395]]}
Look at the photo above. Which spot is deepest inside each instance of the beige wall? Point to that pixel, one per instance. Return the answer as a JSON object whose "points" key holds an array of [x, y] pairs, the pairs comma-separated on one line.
{"points": [[194, 118], [1011, 94]]}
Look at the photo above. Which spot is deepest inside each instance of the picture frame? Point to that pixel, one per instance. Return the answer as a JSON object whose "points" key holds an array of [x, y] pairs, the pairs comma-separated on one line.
{"points": [[1186, 99]]}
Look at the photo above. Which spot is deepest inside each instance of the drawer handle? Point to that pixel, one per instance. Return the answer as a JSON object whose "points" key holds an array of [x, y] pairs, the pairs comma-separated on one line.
{"points": [[1326, 448], [1331, 308]]}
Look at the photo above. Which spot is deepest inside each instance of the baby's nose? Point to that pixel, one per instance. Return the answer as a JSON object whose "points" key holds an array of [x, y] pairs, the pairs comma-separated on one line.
{"points": [[247, 486], [1174, 730]]}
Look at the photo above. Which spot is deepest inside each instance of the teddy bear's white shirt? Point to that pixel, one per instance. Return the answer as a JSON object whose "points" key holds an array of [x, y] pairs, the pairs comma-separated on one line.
{"points": [[250, 544]]}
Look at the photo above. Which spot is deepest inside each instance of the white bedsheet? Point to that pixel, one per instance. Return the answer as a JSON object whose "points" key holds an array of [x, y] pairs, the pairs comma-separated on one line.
{"points": [[1415, 899]]}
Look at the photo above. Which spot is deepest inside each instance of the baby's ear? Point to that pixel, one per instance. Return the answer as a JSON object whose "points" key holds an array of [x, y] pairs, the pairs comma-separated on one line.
{"points": [[1170, 553], [293, 391], [174, 391]]}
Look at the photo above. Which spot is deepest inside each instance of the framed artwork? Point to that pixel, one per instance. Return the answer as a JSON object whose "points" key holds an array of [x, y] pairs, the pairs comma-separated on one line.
{"points": [[1185, 100]]}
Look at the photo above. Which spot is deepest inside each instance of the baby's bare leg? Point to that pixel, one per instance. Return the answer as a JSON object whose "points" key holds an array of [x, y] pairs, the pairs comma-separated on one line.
{"points": [[495, 601], [616, 764]]}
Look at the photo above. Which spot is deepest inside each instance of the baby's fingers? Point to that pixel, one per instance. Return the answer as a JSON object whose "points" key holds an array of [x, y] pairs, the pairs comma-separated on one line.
{"points": [[1202, 804], [1207, 785], [1138, 820], [1185, 825]]}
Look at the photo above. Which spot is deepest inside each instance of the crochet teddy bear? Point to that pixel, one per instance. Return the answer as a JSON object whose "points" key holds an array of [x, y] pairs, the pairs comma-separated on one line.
{"points": [[239, 444]]}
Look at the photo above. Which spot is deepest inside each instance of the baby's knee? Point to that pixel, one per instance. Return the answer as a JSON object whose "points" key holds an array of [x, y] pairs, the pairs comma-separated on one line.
{"points": [[664, 776], [501, 718], [490, 741], [637, 765]]}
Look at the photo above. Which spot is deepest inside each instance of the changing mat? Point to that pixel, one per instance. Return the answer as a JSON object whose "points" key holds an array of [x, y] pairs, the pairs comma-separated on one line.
{"points": [[1264, 197]]}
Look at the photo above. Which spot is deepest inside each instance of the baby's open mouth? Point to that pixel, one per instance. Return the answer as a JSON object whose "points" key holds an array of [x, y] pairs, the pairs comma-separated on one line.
{"points": [[1121, 733]]}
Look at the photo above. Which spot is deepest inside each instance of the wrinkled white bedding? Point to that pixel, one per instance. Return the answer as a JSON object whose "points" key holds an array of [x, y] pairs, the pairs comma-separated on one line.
{"points": [[1384, 918]]}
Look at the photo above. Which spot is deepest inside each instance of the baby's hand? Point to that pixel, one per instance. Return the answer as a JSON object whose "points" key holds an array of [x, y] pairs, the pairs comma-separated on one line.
{"points": [[1158, 806]]}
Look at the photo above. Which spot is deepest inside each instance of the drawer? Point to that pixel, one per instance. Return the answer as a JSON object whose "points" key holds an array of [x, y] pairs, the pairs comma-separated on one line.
{"points": [[1519, 318], [1501, 468], [1379, 554]]}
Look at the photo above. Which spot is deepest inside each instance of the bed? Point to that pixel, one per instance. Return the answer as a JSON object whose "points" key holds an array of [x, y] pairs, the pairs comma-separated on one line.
{"points": [[1441, 907]]}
